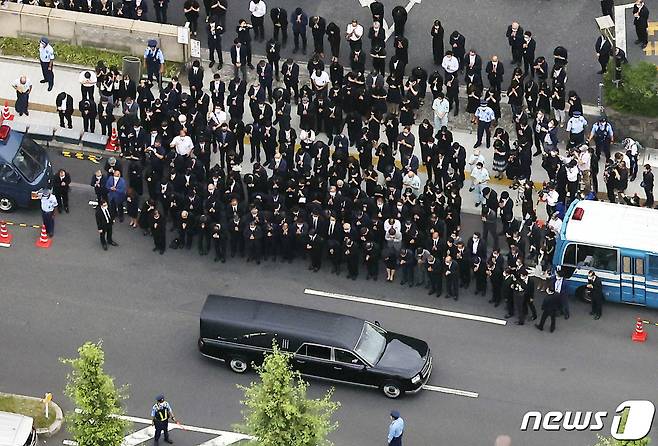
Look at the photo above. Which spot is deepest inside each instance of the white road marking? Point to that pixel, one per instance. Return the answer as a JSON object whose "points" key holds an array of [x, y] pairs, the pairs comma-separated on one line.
{"points": [[620, 25], [202, 430], [465, 393], [386, 303]]}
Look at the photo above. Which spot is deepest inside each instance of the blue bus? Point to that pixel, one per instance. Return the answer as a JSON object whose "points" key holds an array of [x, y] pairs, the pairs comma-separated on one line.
{"points": [[618, 242]]}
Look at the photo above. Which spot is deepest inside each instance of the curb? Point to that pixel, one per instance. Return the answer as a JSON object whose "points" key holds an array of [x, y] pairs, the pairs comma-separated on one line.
{"points": [[59, 416]]}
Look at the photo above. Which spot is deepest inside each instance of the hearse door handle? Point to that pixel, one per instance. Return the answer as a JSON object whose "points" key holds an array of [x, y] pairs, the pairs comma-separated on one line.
{"points": [[300, 361], [337, 368]]}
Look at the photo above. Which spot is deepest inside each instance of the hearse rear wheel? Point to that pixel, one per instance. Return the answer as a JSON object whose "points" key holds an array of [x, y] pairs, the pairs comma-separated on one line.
{"points": [[237, 364]]}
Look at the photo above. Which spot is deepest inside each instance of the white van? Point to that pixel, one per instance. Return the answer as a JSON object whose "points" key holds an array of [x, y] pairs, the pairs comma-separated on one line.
{"points": [[17, 430]]}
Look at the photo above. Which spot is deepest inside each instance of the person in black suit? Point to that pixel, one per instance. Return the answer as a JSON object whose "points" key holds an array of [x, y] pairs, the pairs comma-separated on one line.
{"points": [[315, 246], [215, 31], [437, 32], [603, 52], [64, 103], [472, 64], [495, 72], [528, 47], [105, 115], [88, 112], [239, 59], [290, 70], [377, 11], [641, 22], [515, 39], [195, 79], [549, 307], [452, 278], [399, 14], [647, 185], [595, 292], [279, 18], [607, 8], [104, 222]]}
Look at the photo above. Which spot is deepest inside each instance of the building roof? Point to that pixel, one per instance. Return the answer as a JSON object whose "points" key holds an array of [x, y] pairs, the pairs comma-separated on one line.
{"points": [[296, 322], [609, 224]]}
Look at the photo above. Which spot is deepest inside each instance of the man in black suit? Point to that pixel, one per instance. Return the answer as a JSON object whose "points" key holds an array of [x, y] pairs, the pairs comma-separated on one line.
{"points": [[495, 72], [595, 292], [290, 70], [473, 65], [452, 278], [279, 18], [195, 79], [603, 51], [215, 31], [528, 47], [549, 307], [476, 247], [104, 222], [239, 59], [515, 39], [64, 103], [315, 246], [641, 22]]}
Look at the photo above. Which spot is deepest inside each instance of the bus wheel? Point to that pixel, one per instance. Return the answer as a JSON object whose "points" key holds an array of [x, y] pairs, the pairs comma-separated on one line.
{"points": [[583, 295], [237, 364], [7, 204]]}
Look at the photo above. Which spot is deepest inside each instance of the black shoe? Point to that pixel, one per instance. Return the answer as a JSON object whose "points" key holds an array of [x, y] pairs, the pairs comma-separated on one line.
{"points": [[70, 126], [155, 249], [491, 301], [50, 88], [168, 441], [519, 323], [539, 328], [456, 298], [636, 42], [508, 315], [162, 251], [597, 317], [431, 292], [251, 66], [534, 318], [567, 316], [210, 65], [43, 81], [216, 259], [552, 329], [104, 247], [66, 209], [477, 145], [220, 65], [537, 153], [643, 46], [496, 304], [113, 243]]}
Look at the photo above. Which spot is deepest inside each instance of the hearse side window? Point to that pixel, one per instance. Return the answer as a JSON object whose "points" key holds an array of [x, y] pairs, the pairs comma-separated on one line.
{"points": [[596, 257], [570, 255], [346, 357], [315, 351]]}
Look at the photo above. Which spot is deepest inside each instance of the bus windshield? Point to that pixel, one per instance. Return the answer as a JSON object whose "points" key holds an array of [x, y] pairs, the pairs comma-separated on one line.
{"points": [[371, 343], [30, 159]]}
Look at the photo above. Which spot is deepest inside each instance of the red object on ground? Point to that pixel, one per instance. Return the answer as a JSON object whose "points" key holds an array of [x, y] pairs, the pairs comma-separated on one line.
{"points": [[44, 241], [639, 335], [5, 236]]}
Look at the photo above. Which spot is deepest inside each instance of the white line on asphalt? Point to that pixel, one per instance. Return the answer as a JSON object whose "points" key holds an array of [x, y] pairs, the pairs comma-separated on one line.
{"points": [[386, 303], [465, 393], [202, 430], [620, 25]]}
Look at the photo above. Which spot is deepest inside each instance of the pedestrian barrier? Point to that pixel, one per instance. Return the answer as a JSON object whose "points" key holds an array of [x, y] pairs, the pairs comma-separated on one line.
{"points": [[5, 236], [639, 335], [22, 225], [82, 156], [113, 142], [6, 114], [44, 241]]}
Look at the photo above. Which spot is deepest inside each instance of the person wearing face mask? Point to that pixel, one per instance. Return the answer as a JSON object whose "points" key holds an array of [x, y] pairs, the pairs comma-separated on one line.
{"points": [[46, 56], [104, 222], [61, 184], [116, 187], [98, 183]]}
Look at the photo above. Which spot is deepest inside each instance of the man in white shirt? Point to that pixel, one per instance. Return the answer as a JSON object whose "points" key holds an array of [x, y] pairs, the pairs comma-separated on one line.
{"points": [[87, 80], [441, 107], [450, 63], [412, 180], [23, 87], [182, 143], [258, 8], [479, 180], [353, 35], [319, 80], [475, 158]]}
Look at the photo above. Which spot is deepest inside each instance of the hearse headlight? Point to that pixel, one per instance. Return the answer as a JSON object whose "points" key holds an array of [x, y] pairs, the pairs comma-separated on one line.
{"points": [[416, 379]]}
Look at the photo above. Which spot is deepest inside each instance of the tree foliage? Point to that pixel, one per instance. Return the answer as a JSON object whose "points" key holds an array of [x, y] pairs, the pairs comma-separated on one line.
{"points": [[97, 400], [638, 93], [278, 412], [607, 441]]}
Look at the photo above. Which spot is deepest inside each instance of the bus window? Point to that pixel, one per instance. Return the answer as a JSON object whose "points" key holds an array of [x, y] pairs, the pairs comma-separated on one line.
{"points": [[653, 266], [639, 267], [597, 257], [626, 265], [570, 255]]}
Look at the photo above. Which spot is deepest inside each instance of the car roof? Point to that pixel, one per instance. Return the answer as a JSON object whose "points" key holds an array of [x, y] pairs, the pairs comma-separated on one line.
{"points": [[14, 429], [9, 148], [304, 324], [616, 225]]}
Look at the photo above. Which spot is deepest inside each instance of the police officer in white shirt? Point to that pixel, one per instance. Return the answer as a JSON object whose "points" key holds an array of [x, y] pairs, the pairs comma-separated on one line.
{"points": [[48, 205], [46, 56]]}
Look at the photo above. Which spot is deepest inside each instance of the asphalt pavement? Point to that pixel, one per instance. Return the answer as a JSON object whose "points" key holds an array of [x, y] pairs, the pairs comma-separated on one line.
{"points": [[483, 22], [145, 308]]}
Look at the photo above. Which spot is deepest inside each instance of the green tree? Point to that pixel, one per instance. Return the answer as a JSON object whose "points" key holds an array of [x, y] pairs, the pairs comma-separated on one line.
{"points": [[638, 93], [97, 400], [278, 413], [605, 441]]}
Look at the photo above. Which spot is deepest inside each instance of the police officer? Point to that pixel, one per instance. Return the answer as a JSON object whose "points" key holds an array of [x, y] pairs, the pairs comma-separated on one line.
{"points": [[395, 429], [154, 61], [161, 413], [46, 56], [48, 205]]}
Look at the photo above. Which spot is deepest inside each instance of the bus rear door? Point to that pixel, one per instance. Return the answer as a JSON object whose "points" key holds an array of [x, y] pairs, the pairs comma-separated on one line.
{"points": [[633, 279]]}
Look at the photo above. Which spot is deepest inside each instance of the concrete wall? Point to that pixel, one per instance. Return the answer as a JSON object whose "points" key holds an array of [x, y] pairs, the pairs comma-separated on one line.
{"points": [[82, 29]]}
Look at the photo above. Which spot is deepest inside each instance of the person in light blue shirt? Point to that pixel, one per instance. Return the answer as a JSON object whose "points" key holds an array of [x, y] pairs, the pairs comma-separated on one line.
{"points": [[48, 205], [395, 429], [154, 61], [576, 128], [485, 116], [46, 56]]}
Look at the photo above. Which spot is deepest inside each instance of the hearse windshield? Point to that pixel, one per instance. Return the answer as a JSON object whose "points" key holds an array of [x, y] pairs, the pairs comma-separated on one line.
{"points": [[30, 159], [371, 343]]}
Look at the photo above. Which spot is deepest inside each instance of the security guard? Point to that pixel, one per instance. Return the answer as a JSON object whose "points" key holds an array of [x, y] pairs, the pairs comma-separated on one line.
{"points": [[154, 61], [160, 414], [46, 56]]}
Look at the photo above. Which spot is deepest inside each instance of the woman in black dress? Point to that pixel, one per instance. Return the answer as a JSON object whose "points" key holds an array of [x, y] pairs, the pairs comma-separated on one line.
{"points": [[437, 42], [473, 93]]}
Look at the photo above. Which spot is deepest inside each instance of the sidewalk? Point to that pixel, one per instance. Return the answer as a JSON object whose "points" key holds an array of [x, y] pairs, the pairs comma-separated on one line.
{"points": [[43, 111]]}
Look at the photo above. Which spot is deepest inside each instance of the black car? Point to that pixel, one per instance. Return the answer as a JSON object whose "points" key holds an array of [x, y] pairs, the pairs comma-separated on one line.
{"points": [[324, 345]]}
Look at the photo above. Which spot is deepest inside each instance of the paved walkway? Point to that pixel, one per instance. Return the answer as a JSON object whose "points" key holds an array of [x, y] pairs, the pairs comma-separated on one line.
{"points": [[43, 111]]}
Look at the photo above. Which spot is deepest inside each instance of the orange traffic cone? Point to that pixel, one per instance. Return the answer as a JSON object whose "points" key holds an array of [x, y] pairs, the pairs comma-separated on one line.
{"points": [[5, 236], [639, 335], [6, 114], [113, 143], [44, 241]]}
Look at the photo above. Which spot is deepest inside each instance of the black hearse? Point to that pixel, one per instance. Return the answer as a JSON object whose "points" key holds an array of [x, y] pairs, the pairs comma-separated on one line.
{"points": [[324, 345]]}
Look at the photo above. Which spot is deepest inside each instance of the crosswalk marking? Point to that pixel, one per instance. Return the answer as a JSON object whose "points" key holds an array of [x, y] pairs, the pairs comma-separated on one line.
{"points": [[222, 438]]}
